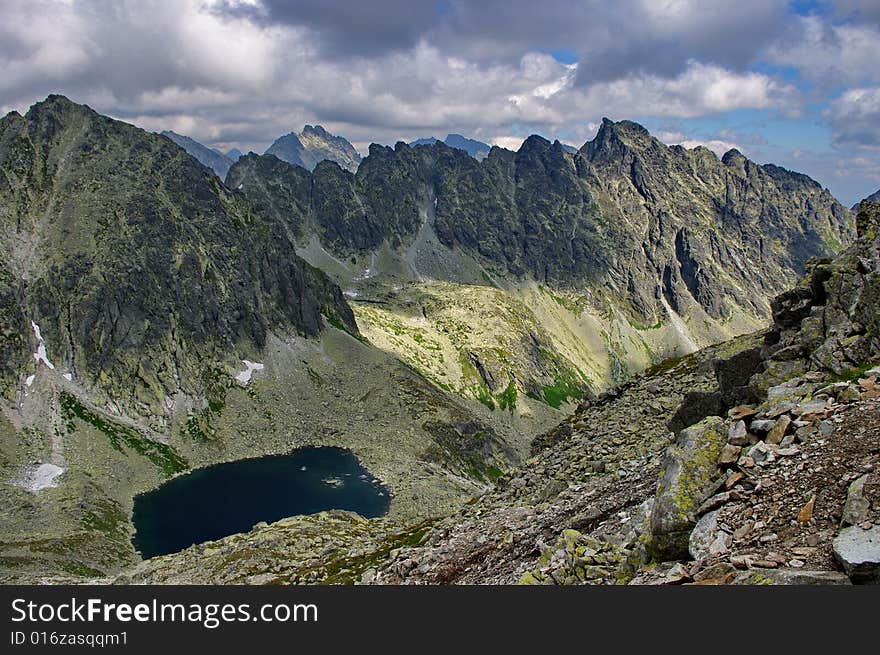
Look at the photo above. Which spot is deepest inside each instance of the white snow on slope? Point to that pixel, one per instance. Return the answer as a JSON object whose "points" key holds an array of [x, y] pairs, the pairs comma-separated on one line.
{"points": [[41, 355], [245, 376], [42, 477]]}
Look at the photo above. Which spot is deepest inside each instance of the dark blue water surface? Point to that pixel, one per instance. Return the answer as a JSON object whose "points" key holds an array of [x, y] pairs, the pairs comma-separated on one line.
{"points": [[220, 500]]}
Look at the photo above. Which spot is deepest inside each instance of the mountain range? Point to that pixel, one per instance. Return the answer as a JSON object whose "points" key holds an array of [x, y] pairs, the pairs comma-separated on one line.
{"points": [[586, 267], [430, 311]]}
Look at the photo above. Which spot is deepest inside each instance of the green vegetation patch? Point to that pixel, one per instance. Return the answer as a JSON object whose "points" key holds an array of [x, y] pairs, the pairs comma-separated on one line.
{"points": [[160, 454], [485, 397], [561, 391], [507, 398], [853, 374]]}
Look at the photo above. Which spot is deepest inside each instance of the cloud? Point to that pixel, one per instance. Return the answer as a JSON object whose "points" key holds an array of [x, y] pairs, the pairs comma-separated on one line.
{"points": [[699, 90], [830, 54], [509, 142], [342, 28], [715, 145], [855, 119], [241, 72]]}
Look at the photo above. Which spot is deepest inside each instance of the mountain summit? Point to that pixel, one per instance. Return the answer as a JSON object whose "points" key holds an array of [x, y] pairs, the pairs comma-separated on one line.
{"points": [[312, 146]]}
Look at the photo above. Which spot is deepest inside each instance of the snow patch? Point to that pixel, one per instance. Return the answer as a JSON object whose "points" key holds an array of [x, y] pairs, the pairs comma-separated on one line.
{"points": [[42, 477], [245, 376], [68, 376], [30, 380], [41, 355]]}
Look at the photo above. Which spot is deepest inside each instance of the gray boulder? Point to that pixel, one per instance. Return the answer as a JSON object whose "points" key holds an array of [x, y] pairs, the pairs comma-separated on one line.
{"points": [[858, 550], [687, 475]]}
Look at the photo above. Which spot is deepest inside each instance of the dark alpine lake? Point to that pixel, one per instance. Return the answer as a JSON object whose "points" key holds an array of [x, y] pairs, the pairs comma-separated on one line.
{"points": [[220, 500]]}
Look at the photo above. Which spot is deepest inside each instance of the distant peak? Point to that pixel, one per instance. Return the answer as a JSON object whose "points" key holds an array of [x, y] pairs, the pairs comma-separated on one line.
{"points": [[57, 98], [624, 127]]}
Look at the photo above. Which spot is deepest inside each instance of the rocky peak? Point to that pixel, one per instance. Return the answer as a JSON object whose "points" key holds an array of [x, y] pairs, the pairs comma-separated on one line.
{"points": [[874, 197], [733, 157], [313, 145], [288, 148], [614, 139], [316, 130], [142, 265]]}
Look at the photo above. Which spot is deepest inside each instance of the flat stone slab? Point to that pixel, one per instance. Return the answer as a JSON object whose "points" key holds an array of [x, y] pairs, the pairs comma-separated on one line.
{"points": [[859, 552]]}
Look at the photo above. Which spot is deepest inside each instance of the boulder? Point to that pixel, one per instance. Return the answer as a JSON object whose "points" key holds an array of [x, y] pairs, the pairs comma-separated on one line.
{"points": [[707, 540], [687, 478], [858, 550]]}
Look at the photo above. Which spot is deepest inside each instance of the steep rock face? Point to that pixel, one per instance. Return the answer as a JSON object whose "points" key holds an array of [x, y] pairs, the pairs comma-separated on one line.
{"points": [[320, 145], [829, 321], [135, 262], [720, 234], [314, 145], [214, 160]]}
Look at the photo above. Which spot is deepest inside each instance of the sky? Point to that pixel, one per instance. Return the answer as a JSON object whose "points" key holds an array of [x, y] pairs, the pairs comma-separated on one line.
{"points": [[792, 83]]}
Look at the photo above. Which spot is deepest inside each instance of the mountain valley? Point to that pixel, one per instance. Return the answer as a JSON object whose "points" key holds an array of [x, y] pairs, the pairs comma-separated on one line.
{"points": [[500, 340]]}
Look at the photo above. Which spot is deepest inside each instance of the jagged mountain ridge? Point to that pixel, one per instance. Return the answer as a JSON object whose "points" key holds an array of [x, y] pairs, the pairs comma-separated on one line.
{"points": [[571, 220], [211, 158], [314, 145], [642, 250]]}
